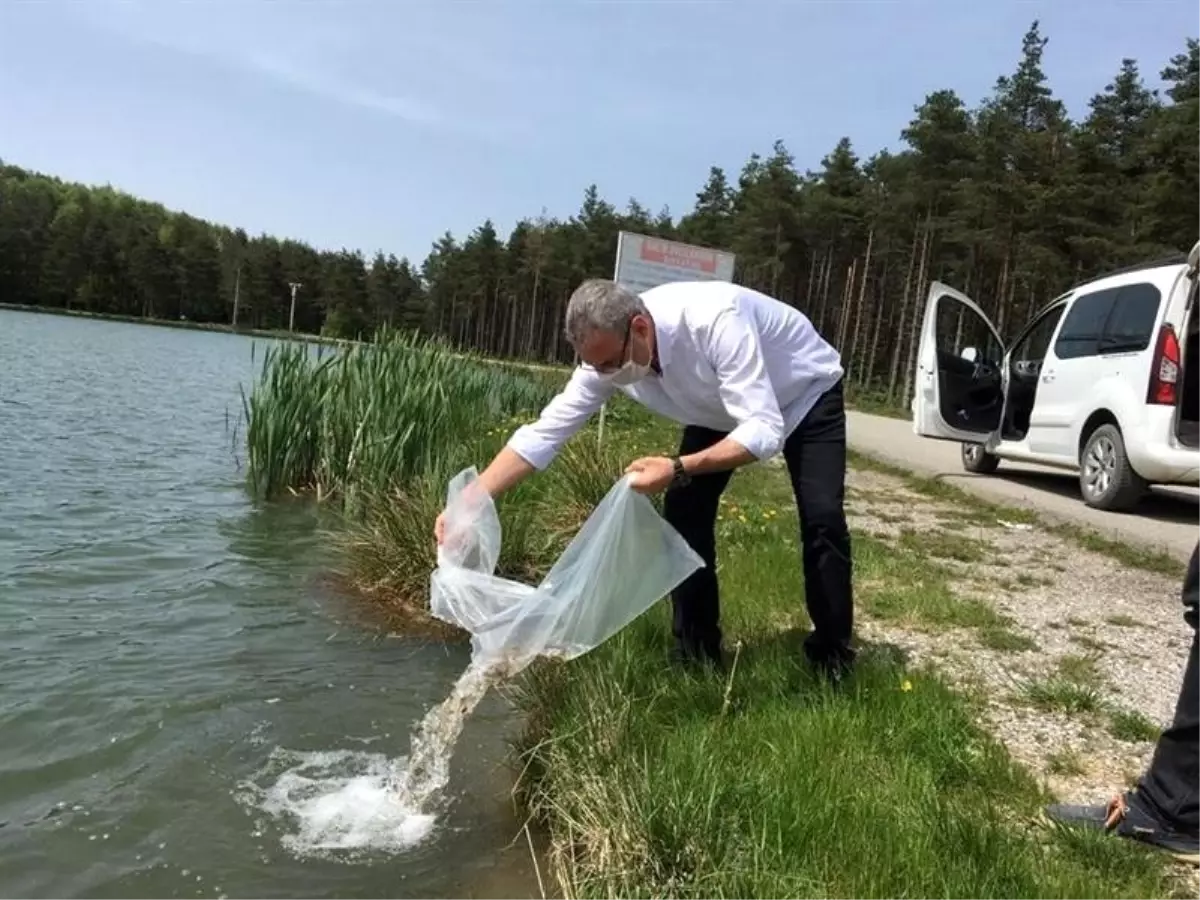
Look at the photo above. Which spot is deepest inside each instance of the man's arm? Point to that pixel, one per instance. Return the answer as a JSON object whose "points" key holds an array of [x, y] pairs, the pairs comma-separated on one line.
{"points": [[506, 470], [533, 447], [736, 353]]}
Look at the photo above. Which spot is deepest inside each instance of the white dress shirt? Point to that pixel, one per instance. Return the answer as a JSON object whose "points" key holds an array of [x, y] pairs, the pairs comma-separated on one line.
{"points": [[732, 359]]}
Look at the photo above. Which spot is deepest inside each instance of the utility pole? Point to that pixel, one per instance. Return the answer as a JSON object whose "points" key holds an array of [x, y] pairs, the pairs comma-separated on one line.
{"points": [[237, 292], [295, 286]]}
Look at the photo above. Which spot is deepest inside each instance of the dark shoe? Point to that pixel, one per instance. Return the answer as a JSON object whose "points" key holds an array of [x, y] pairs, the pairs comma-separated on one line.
{"points": [[1125, 817], [698, 657], [834, 671], [835, 666]]}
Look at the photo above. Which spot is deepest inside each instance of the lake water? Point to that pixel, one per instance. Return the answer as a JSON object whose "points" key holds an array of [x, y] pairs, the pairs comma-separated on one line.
{"points": [[176, 677]]}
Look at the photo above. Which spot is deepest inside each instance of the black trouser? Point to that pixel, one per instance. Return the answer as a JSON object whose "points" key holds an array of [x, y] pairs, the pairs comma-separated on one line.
{"points": [[1170, 785], [815, 454]]}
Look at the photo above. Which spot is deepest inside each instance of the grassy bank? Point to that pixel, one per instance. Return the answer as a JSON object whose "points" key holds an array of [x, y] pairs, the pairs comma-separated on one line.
{"points": [[649, 782], [379, 429], [768, 783], [184, 324]]}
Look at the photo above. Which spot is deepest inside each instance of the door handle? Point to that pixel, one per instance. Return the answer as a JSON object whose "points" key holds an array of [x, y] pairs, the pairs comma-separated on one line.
{"points": [[1048, 376]]}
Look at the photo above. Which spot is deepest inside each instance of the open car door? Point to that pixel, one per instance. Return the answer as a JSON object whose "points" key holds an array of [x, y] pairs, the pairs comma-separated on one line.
{"points": [[960, 367]]}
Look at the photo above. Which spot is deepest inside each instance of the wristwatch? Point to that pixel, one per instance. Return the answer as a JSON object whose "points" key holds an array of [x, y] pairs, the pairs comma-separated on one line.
{"points": [[681, 478]]}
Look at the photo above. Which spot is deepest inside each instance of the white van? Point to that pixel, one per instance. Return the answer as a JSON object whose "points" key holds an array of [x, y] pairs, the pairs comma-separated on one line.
{"points": [[1102, 381]]}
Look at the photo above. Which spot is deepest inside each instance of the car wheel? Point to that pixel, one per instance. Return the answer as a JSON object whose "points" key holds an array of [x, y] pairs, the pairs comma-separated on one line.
{"points": [[1106, 478], [978, 460]]}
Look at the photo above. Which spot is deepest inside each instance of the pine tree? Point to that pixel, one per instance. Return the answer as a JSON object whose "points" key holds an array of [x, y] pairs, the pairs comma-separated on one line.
{"points": [[1010, 202]]}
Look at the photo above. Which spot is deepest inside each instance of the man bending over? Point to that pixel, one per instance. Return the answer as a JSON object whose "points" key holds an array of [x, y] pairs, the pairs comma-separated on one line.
{"points": [[748, 377]]}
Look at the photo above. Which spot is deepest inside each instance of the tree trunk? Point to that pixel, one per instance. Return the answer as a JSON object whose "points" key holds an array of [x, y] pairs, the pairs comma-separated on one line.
{"points": [[855, 338], [915, 325], [879, 308], [847, 305], [531, 347], [825, 290], [1001, 301], [898, 346]]}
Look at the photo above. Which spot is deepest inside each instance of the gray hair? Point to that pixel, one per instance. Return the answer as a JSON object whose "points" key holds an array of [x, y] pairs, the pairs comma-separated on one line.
{"points": [[600, 305]]}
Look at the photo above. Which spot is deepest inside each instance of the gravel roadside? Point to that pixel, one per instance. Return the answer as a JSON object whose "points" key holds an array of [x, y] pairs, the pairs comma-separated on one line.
{"points": [[1090, 658]]}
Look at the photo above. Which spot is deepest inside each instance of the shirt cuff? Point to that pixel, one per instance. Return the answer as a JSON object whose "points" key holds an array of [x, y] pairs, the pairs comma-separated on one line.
{"points": [[532, 447], [761, 440]]}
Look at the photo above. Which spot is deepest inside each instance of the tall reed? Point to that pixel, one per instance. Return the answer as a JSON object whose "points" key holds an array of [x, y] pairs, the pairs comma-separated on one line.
{"points": [[368, 417]]}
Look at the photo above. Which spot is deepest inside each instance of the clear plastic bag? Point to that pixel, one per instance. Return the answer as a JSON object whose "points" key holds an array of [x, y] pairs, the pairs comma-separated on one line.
{"points": [[623, 560]]}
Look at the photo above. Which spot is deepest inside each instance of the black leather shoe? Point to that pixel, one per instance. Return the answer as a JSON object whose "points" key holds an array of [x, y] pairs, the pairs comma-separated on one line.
{"points": [[835, 666], [698, 656]]}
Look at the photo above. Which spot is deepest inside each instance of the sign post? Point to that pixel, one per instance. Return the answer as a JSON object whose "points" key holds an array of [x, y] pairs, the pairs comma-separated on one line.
{"points": [[644, 262]]}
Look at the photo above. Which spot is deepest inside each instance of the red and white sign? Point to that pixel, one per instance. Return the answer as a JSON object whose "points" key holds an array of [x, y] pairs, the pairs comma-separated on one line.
{"points": [[644, 262]]}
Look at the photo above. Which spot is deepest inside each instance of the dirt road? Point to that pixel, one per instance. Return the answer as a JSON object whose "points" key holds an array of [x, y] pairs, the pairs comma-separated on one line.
{"points": [[1166, 520]]}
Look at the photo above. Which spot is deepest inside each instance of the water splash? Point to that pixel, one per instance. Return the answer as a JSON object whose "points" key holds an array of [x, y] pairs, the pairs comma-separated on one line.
{"points": [[338, 804], [347, 804], [428, 769]]}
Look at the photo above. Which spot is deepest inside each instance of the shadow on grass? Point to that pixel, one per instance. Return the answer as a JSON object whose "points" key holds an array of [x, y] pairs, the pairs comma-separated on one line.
{"points": [[784, 649], [765, 781]]}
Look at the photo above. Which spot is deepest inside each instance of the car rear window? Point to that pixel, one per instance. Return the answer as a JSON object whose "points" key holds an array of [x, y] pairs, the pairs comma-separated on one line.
{"points": [[1115, 320], [1131, 322]]}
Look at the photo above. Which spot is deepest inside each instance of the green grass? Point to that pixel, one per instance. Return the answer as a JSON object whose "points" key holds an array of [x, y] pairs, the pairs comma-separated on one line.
{"points": [[1060, 695], [876, 402], [975, 509], [1074, 688], [1127, 554], [943, 545], [1126, 725], [906, 587], [1122, 620], [1026, 580], [1003, 638], [388, 544], [1081, 670], [768, 783], [1065, 762], [1087, 642]]}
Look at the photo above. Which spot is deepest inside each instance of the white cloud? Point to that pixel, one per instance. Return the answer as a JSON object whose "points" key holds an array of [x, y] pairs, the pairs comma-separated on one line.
{"points": [[329, 86], [314, 49]]}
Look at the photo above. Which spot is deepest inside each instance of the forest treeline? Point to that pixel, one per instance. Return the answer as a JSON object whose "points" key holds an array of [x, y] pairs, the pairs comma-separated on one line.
{"points": [[1011, 202]]}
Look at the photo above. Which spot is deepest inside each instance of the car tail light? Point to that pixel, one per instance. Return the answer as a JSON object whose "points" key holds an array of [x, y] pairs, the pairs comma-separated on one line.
{"points": [[1164, 370]]}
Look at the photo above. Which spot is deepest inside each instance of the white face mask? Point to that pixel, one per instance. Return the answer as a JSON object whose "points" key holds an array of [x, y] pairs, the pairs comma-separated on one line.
{"points": [[628, 374]]}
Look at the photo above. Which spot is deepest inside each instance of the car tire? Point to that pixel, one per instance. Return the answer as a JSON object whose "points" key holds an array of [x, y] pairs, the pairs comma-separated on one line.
{"points": [[1106, 479], [976, 459]]}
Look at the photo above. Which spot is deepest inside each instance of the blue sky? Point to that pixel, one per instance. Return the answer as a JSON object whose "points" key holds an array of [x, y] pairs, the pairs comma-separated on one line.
{"points": [[376, 125]]}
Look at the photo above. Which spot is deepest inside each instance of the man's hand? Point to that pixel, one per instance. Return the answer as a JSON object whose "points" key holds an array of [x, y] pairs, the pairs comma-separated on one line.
{"points": [[472, 499], [651, 474]]}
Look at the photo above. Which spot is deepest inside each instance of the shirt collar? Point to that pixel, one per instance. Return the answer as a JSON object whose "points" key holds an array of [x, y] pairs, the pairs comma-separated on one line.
{"points": [[664, 335]]}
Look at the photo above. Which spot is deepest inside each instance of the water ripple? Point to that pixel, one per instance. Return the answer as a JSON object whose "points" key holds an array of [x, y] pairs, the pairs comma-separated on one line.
{"points": [[161, 636]]}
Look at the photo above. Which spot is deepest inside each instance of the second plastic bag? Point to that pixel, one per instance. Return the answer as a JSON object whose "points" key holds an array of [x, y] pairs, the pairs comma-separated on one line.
{"points": [[622, 561]]}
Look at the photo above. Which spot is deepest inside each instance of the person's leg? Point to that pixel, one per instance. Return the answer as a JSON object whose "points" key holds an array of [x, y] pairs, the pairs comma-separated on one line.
{"points": [[816, 459], [1162, 809], [1170, 786], [692, 510]]}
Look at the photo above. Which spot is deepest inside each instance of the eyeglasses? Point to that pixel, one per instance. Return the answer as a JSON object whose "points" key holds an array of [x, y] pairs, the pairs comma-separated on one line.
{"points": [[609, 368]]}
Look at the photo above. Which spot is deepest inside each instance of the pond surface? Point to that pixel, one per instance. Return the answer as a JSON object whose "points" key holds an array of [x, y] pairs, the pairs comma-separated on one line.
{"points": [[179, 686]]}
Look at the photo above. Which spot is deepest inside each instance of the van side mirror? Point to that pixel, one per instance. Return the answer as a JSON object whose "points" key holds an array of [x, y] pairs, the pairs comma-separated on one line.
{"points": [[970, 354]]}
